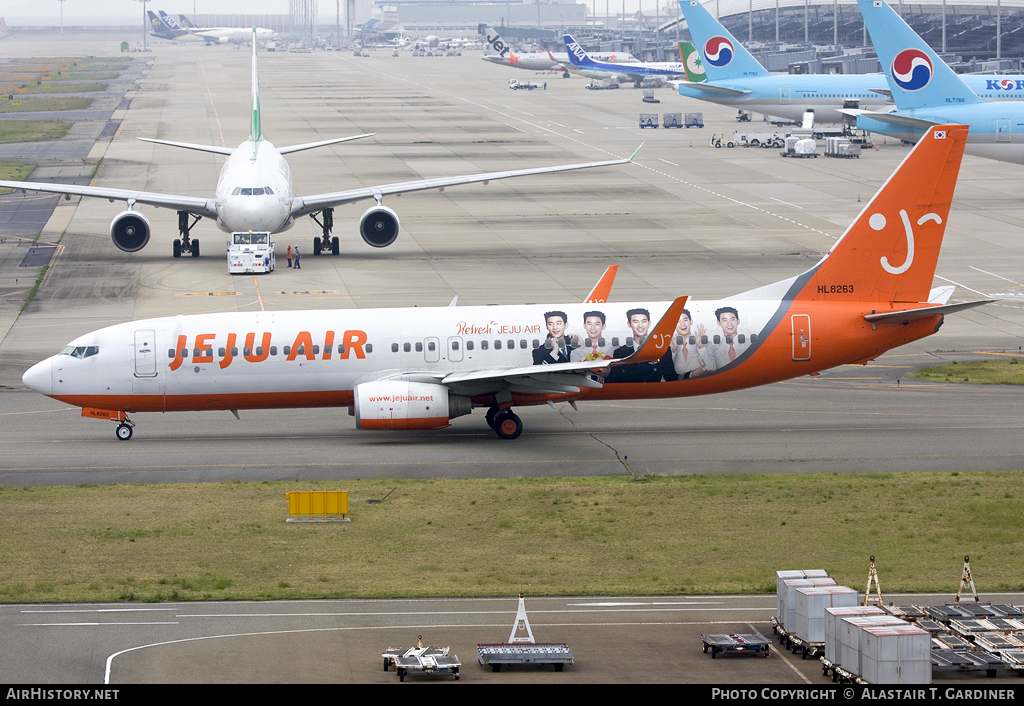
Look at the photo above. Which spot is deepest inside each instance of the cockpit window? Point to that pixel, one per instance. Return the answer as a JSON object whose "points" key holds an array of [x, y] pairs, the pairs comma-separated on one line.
{"points": [[269, 190], [247, 192], [80, 351], [236, 191], [258, 191]]}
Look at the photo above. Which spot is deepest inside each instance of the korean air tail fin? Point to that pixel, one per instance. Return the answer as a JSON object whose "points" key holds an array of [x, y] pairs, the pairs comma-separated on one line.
{"points": [[890, 252], [256, 130], [724, 57], [917, 77], [691, 61]]}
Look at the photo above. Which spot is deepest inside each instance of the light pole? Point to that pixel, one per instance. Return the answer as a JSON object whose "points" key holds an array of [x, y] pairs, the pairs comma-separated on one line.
{"points": [[61, 16], [144, 18]]}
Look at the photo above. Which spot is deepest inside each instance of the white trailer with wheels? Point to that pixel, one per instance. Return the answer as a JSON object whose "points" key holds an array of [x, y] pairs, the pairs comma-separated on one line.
{"points": [[523, 649], [421, 660], [250, 252]]}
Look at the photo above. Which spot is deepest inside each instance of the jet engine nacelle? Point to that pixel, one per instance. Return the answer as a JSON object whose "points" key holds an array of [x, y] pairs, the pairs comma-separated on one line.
{"points": [[130, 231], [398, 404], [379, 226]]}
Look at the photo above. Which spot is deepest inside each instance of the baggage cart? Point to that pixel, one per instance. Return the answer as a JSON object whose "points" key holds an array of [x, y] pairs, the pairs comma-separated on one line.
{"points": [[421, 660], [523, 649], [672, 120], [694, 120], [648, 120], [753, 644]]}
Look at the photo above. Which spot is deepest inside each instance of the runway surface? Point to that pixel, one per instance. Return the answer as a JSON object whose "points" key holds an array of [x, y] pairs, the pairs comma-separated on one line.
{"points": [[685, 218]]}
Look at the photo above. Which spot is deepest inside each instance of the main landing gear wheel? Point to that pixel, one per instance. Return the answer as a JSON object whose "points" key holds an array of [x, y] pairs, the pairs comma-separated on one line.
{"points": [[507, 425], [195, 247], [124, 431]]}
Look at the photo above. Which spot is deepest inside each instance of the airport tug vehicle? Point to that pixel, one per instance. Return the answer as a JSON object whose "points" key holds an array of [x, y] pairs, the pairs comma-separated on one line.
{"points": [[250, 252]]}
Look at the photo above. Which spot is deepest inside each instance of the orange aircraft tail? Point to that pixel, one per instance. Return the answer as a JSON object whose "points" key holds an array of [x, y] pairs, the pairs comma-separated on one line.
{"points": [[889, 253]]}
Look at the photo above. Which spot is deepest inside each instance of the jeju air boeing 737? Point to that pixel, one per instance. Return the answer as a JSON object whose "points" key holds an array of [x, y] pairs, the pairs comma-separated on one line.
{"points": [[419, 368], [254, 193]]}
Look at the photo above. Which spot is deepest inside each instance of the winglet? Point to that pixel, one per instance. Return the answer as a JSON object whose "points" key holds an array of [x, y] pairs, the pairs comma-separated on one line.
{"points": [[599, 294], [637, 150], [657, 343]]}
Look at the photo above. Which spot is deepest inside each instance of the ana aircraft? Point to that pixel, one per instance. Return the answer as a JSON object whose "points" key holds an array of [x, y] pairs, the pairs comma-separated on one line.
{"points": [[636, 72], [254, 193], [163, 30], [218, 35], [419, 368], [927, 92]]}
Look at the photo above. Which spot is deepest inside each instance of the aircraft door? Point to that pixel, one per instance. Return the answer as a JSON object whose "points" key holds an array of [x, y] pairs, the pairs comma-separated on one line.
{"points": [[784, 96], [1003, 130], [801, 336], [145, 353], [454, 348], [431, 350]]}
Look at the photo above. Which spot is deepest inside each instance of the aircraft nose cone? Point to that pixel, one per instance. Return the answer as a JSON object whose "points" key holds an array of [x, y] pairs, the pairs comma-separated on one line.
{"points": [[39, 377]]}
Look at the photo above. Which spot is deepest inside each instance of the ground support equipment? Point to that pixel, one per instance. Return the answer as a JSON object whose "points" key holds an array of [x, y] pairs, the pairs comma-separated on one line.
{"points": [[717, 644]]}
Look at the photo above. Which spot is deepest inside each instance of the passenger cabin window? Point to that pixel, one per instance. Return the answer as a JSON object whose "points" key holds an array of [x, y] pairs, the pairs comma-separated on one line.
{"points": [[483, 345], [469, 345], [369, 348], [406, 347], [419, 347], [394, 347]]}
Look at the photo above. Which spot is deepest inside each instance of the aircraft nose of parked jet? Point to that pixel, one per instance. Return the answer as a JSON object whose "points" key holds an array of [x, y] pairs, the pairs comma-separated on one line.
{"points": [[39, 377]]}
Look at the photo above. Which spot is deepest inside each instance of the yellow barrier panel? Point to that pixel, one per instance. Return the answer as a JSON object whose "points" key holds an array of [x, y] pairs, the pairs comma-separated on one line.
{"points": [[317, 506]]}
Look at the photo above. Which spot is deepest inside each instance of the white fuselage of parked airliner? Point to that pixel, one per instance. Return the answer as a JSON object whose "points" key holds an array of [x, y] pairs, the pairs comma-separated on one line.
{"points": [[254, 191]]}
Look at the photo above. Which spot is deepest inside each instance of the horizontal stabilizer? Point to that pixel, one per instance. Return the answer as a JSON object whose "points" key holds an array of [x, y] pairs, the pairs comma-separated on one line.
{"points": [[902, 317], [190, 146], [322, 143]]}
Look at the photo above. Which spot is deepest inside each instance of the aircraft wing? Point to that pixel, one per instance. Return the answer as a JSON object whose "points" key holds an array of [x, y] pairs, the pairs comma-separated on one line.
{"points": [[711, 89], [896, 119], [192, 204], [304, 205]]}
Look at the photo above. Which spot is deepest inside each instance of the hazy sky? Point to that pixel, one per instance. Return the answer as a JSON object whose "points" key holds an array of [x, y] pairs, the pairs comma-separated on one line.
{"points": [[127, 12]]}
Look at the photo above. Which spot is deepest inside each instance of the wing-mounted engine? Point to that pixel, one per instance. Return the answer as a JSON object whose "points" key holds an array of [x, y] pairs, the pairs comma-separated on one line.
{"points": [[379, 226], [400, 404], [130, 231]]}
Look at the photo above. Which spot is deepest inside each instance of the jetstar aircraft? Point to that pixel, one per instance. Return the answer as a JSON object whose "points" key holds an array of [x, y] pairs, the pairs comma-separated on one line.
{"points": [[927, 92], [538, 61], [254, 193], [419, 368]]}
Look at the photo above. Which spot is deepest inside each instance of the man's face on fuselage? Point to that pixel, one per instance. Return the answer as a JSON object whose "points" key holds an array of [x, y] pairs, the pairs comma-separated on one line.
{"points": [[556, 326], [594, 327]]}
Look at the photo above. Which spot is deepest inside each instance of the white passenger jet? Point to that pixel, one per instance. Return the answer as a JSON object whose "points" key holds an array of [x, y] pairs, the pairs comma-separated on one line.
{"points": [[419, 368], [219, 35], [254, 193]]}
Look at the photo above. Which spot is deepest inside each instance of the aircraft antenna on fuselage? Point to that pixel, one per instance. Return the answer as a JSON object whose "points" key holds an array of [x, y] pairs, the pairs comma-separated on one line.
{"points": [[256, 131]]}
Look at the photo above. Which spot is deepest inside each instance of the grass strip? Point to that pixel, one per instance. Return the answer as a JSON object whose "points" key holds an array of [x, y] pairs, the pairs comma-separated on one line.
{"points": [[554, 536], [43, 103], [32, 131], [13, 171], [984, 372]]}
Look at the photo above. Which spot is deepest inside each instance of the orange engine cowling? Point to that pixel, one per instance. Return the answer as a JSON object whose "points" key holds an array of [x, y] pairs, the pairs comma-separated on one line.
{"points": [[399, 404]]}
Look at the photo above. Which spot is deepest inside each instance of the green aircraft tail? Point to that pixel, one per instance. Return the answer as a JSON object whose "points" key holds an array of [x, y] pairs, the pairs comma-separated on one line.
{"points": [[690, 57]]}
